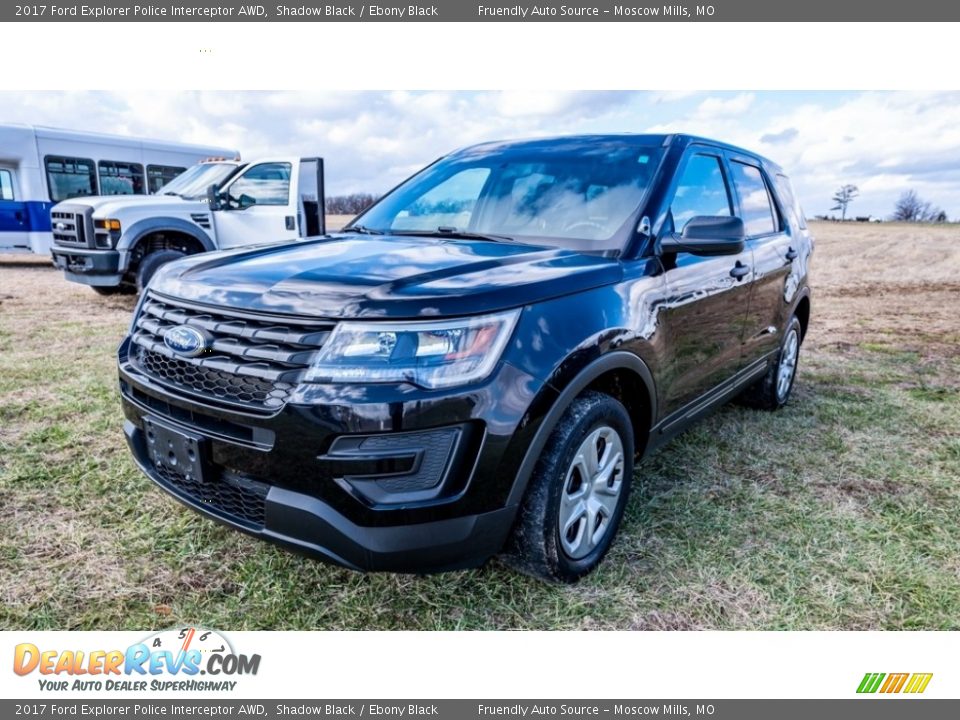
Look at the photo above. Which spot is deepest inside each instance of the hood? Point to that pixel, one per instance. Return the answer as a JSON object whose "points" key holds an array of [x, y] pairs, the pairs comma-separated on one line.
{"points": [[384, 277], [106, 205]]}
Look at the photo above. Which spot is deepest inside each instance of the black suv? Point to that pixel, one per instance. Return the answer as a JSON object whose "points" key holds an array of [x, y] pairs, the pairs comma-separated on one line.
{"points": [[474, 365]]}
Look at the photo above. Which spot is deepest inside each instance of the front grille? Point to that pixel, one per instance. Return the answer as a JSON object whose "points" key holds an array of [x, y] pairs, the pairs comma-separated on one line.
{"points": [[68, 228], [207, 381], [254, 361], [234, 497]]}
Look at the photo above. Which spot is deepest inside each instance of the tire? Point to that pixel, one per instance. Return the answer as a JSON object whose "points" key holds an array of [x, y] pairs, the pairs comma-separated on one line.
{"points": [[551, 539], [152, 262], [773, 390], [108, 291]]}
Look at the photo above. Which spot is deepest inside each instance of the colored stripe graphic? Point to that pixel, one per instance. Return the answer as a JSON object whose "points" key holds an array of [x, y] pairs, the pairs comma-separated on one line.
{"points": [[894, 683], [870, 682], [918, 682]]}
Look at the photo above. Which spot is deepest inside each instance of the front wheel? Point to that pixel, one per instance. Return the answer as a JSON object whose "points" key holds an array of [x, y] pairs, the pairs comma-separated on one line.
{"points": [[773, 390], [110, 290], [577, 493], [107, 290], [152, 262]]}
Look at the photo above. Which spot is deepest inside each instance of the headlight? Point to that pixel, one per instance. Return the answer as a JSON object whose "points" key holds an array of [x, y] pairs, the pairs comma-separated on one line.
{"points": [[429, 354]]}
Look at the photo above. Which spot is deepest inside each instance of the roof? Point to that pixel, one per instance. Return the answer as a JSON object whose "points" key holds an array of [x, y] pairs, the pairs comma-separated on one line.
{"points": [[570, 142]]}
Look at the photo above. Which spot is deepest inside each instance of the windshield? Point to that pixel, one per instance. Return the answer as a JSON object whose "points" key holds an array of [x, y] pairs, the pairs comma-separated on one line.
{"points": [[578, 196], [193, 183]]}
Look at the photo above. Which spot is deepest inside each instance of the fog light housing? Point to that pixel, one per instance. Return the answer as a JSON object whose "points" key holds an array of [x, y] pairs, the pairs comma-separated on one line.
{"points": [[393, 468]]}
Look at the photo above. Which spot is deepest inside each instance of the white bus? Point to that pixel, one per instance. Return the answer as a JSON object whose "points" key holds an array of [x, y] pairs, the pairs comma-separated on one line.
{"points": [[42, 166]]}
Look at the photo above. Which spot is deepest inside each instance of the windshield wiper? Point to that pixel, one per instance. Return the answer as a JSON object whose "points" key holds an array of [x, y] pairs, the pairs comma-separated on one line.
{"points": [[362, 229], [172, 193], [452, 232]]}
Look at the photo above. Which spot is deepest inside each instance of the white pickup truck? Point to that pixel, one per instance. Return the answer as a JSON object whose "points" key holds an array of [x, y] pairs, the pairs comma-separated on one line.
{"points": [[115, 244]]}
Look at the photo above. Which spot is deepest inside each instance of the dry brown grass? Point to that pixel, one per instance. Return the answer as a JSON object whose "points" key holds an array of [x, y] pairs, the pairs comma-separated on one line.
{"points": [[841, 511]]}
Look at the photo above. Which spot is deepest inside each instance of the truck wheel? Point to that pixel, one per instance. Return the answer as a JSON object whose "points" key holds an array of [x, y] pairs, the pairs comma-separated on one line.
{"points": [[772, 391], [577, 492], [152, 262], [106, 290]]}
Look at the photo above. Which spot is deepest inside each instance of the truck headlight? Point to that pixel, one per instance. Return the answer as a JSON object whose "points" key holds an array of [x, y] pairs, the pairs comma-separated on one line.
{"points": [[429, 354]]}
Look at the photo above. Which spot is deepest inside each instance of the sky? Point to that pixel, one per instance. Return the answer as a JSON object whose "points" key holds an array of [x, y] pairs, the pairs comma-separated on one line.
{"points": [[882, 142]]}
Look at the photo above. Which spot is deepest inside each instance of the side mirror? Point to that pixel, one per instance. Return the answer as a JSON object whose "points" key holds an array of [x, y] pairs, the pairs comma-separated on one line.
{"points": [[213, 197], [707, 235], [246, 201]]}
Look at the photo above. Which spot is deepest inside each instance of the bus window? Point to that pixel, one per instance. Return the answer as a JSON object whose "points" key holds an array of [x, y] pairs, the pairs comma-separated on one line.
{"points": [[6, 185], [160, 175], [70, 177], [121, 178]]}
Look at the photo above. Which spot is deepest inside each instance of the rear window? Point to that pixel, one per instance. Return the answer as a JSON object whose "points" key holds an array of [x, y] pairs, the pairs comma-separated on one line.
{"points": [[6, 185], [121, 178], [785, 191], [70, 177], [756, 206]]}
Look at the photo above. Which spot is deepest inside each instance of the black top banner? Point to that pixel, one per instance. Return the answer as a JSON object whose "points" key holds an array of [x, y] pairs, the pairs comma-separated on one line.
{"points": [[485, 11]]}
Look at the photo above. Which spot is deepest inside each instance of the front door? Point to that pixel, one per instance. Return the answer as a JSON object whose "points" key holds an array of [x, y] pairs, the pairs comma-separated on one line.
{"points": [[259, 206], [707, 297]]}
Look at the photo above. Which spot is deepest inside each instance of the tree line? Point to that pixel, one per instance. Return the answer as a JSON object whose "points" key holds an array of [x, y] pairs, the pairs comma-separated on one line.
{"points": [[910, 207], [349, 204]]}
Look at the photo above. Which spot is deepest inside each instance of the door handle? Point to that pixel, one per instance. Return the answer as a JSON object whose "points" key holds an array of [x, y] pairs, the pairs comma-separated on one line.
{"points": [[739, 271], [18, 216], [792, 254], [291, 222]]}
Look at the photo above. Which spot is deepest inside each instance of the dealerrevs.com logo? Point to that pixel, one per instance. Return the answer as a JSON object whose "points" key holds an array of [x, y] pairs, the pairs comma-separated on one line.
{"points": [[182, 660]]}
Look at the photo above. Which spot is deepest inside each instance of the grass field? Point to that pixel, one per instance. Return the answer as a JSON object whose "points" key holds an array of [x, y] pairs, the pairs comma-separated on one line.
{"points": [[841, 511]]}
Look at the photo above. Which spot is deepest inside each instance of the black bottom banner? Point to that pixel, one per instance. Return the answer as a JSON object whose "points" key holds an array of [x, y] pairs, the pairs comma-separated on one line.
{"points": [[872, 708]]}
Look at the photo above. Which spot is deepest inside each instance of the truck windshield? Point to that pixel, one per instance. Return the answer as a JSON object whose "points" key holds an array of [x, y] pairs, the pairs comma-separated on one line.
{"points": [[193, 183], [579, 195]]}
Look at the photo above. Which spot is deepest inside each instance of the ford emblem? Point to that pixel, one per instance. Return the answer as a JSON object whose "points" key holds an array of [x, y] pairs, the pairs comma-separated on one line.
{"points": [[185, 340]]}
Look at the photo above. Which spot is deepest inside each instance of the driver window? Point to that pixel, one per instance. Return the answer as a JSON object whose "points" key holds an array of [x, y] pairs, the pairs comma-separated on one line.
{"points": [[702, 191], [265, 184]]}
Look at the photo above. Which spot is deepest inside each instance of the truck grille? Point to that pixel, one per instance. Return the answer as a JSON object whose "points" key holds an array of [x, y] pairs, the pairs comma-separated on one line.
{"points": [[69, 228], [253, 361]]}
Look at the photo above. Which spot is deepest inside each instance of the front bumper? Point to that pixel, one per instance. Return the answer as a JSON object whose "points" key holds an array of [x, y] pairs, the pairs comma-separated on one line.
{"points": [[90, 267], [365, 477]]}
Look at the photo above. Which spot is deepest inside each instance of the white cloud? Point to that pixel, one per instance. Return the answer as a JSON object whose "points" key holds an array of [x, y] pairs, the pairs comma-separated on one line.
{"points": [[721, 107], [883, 142]]}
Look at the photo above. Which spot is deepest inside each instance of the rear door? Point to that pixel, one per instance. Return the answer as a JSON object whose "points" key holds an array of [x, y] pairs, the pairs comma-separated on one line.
{"points": [[14, 213], [707, 296], [260, 205], [768, 237]]}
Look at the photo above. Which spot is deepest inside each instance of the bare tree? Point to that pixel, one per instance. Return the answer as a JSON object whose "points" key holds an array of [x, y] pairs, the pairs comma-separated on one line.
{"points": [[911, 208], [845, 195], [349, 204]]}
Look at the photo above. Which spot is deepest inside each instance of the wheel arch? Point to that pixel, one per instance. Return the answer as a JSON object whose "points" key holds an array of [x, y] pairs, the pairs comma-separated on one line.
{"points": [[618, 374], [802, 312], [142, 231]]}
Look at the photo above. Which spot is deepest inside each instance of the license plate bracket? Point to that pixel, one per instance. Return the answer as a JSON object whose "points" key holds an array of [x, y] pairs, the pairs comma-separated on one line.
{"points": [[174, 450]]}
